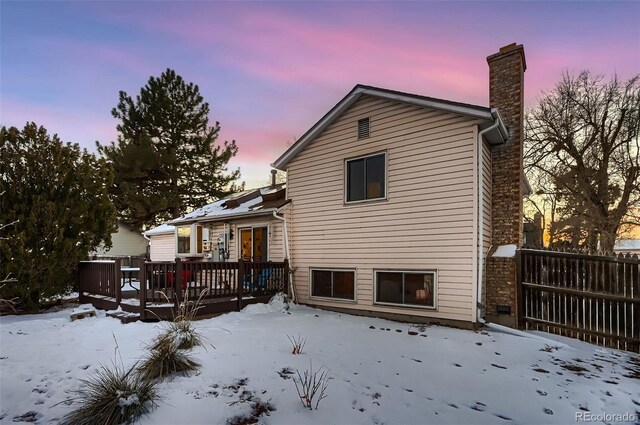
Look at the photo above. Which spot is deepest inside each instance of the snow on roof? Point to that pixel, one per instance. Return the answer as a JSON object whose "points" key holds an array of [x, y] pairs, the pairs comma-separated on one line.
{"points": [[163, 228], [627, 244], [217, 209], [237, 203]]}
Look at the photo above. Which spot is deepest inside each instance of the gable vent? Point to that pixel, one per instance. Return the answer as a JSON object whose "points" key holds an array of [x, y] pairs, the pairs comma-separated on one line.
{"points": [[363, 128]]}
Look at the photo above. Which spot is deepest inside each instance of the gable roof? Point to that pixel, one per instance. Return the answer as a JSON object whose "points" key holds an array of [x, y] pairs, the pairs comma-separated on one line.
{"points": [[489, 115], [162, 229], [251, 202]]}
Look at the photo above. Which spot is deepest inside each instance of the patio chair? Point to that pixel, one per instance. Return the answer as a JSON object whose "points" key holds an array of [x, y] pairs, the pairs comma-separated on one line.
{"points": [[186, 277], [257, 281]]}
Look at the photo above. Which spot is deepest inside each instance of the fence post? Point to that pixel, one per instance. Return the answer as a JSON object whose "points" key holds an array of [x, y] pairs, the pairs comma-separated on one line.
{"points": [[177, 282], [118, 282], [519, 291], [143, 291], [240, 283]]}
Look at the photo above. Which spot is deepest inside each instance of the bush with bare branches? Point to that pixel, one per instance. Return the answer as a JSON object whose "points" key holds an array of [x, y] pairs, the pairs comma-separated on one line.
{"points": [[312, 386]]}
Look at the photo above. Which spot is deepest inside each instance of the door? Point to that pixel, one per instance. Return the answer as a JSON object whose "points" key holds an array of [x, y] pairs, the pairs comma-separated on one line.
{"points": [[253, 244]]}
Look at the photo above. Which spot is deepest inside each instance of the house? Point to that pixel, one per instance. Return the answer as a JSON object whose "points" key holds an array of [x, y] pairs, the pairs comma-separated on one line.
{"points": [[247, 225], [533, 231], [627, 246], [125, 243], [162, 242], [400, 201]]}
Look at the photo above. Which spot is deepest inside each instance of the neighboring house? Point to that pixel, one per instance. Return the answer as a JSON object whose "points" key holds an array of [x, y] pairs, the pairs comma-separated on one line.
{"points": [[397, 200], [533, 233], [627, 246], [247, 225], [125, 243]]}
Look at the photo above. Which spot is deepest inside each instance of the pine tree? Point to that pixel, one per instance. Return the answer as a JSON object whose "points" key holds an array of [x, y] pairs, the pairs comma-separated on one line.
{"points": [[166, 160], [56, 196]]}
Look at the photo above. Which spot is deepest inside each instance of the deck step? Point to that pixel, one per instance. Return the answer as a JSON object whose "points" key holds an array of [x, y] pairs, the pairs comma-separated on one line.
{"points": [[82, 314], [124, 317]]}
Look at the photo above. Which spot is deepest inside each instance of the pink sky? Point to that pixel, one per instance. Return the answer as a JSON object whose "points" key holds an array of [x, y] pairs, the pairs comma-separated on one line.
{"points": [[271, 70]]}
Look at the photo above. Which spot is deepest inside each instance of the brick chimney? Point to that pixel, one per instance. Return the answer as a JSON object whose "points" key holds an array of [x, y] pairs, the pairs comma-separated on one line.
{"points": [[506, 93]]}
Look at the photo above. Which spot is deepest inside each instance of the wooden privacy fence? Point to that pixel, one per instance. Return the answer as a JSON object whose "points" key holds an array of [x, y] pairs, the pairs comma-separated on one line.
{"points": [[595, 298], [162, 286]]}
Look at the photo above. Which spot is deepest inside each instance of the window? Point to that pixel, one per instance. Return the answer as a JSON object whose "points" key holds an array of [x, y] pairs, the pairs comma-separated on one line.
{"points": [[184, 240], [189, 240], [253, 244], [406, 288], [363, 128], [338, 284], [366, 178]]}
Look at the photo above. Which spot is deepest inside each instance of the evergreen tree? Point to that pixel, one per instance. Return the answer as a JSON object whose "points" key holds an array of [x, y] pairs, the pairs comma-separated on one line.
{"points": [[166, 161], [55, 195]]}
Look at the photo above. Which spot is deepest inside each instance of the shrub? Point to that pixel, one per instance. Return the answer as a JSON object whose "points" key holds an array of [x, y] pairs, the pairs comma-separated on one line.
{"points": [[181, 331], [312, 386], [297, 344], [112, 396], [165, 358], [182, 334]]}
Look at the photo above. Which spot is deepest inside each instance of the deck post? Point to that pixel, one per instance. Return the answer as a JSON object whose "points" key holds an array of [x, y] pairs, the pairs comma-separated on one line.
{"points": [[118, 282], [143, 291], [239, 283], [177, 282], [81, 284]]}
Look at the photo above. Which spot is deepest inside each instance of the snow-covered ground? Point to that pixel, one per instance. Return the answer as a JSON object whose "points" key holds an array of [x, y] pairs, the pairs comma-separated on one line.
{"points": [[382, 371]]}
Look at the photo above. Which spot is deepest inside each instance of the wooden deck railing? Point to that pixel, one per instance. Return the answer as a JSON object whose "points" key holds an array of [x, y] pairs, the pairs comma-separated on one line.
{"points": [[163, 285], [101, 278]]}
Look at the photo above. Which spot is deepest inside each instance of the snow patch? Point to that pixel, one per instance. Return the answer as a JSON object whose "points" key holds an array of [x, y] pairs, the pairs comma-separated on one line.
{"points": [[279, 302], [505, 251], [381, 371]]}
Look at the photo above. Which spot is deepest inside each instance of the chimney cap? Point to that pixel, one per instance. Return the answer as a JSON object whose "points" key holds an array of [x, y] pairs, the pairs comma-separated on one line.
{"points": [[508, 50]]}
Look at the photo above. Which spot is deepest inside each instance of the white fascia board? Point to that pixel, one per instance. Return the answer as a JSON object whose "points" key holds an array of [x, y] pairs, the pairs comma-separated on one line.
{"points": [[432, 103]]}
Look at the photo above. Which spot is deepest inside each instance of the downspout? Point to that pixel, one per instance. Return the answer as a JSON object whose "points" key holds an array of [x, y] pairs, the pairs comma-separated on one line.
{"points": [[480, 270], [148, 255], [288, 251]]}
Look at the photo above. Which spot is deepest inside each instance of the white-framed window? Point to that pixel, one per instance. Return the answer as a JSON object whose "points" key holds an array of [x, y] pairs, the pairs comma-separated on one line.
{"points": [[333, 283], [189, 240], [407, 288], [366, 178], [254, 243]]}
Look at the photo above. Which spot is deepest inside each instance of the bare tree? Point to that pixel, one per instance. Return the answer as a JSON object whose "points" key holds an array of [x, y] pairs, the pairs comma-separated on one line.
{"points": [[582, 143]]}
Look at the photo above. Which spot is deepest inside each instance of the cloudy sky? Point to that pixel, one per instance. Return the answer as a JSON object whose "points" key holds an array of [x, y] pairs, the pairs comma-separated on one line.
{"points": [[270, 70]]}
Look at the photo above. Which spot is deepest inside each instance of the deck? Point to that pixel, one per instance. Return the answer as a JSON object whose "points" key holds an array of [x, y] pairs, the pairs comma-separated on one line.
{"points": [[154, 290]]}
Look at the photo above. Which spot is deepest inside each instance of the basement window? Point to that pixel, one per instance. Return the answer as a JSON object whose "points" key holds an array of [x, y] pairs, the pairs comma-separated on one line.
{"points": [[336, 284], [407, 288], [363, 128], [366, 178]]}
